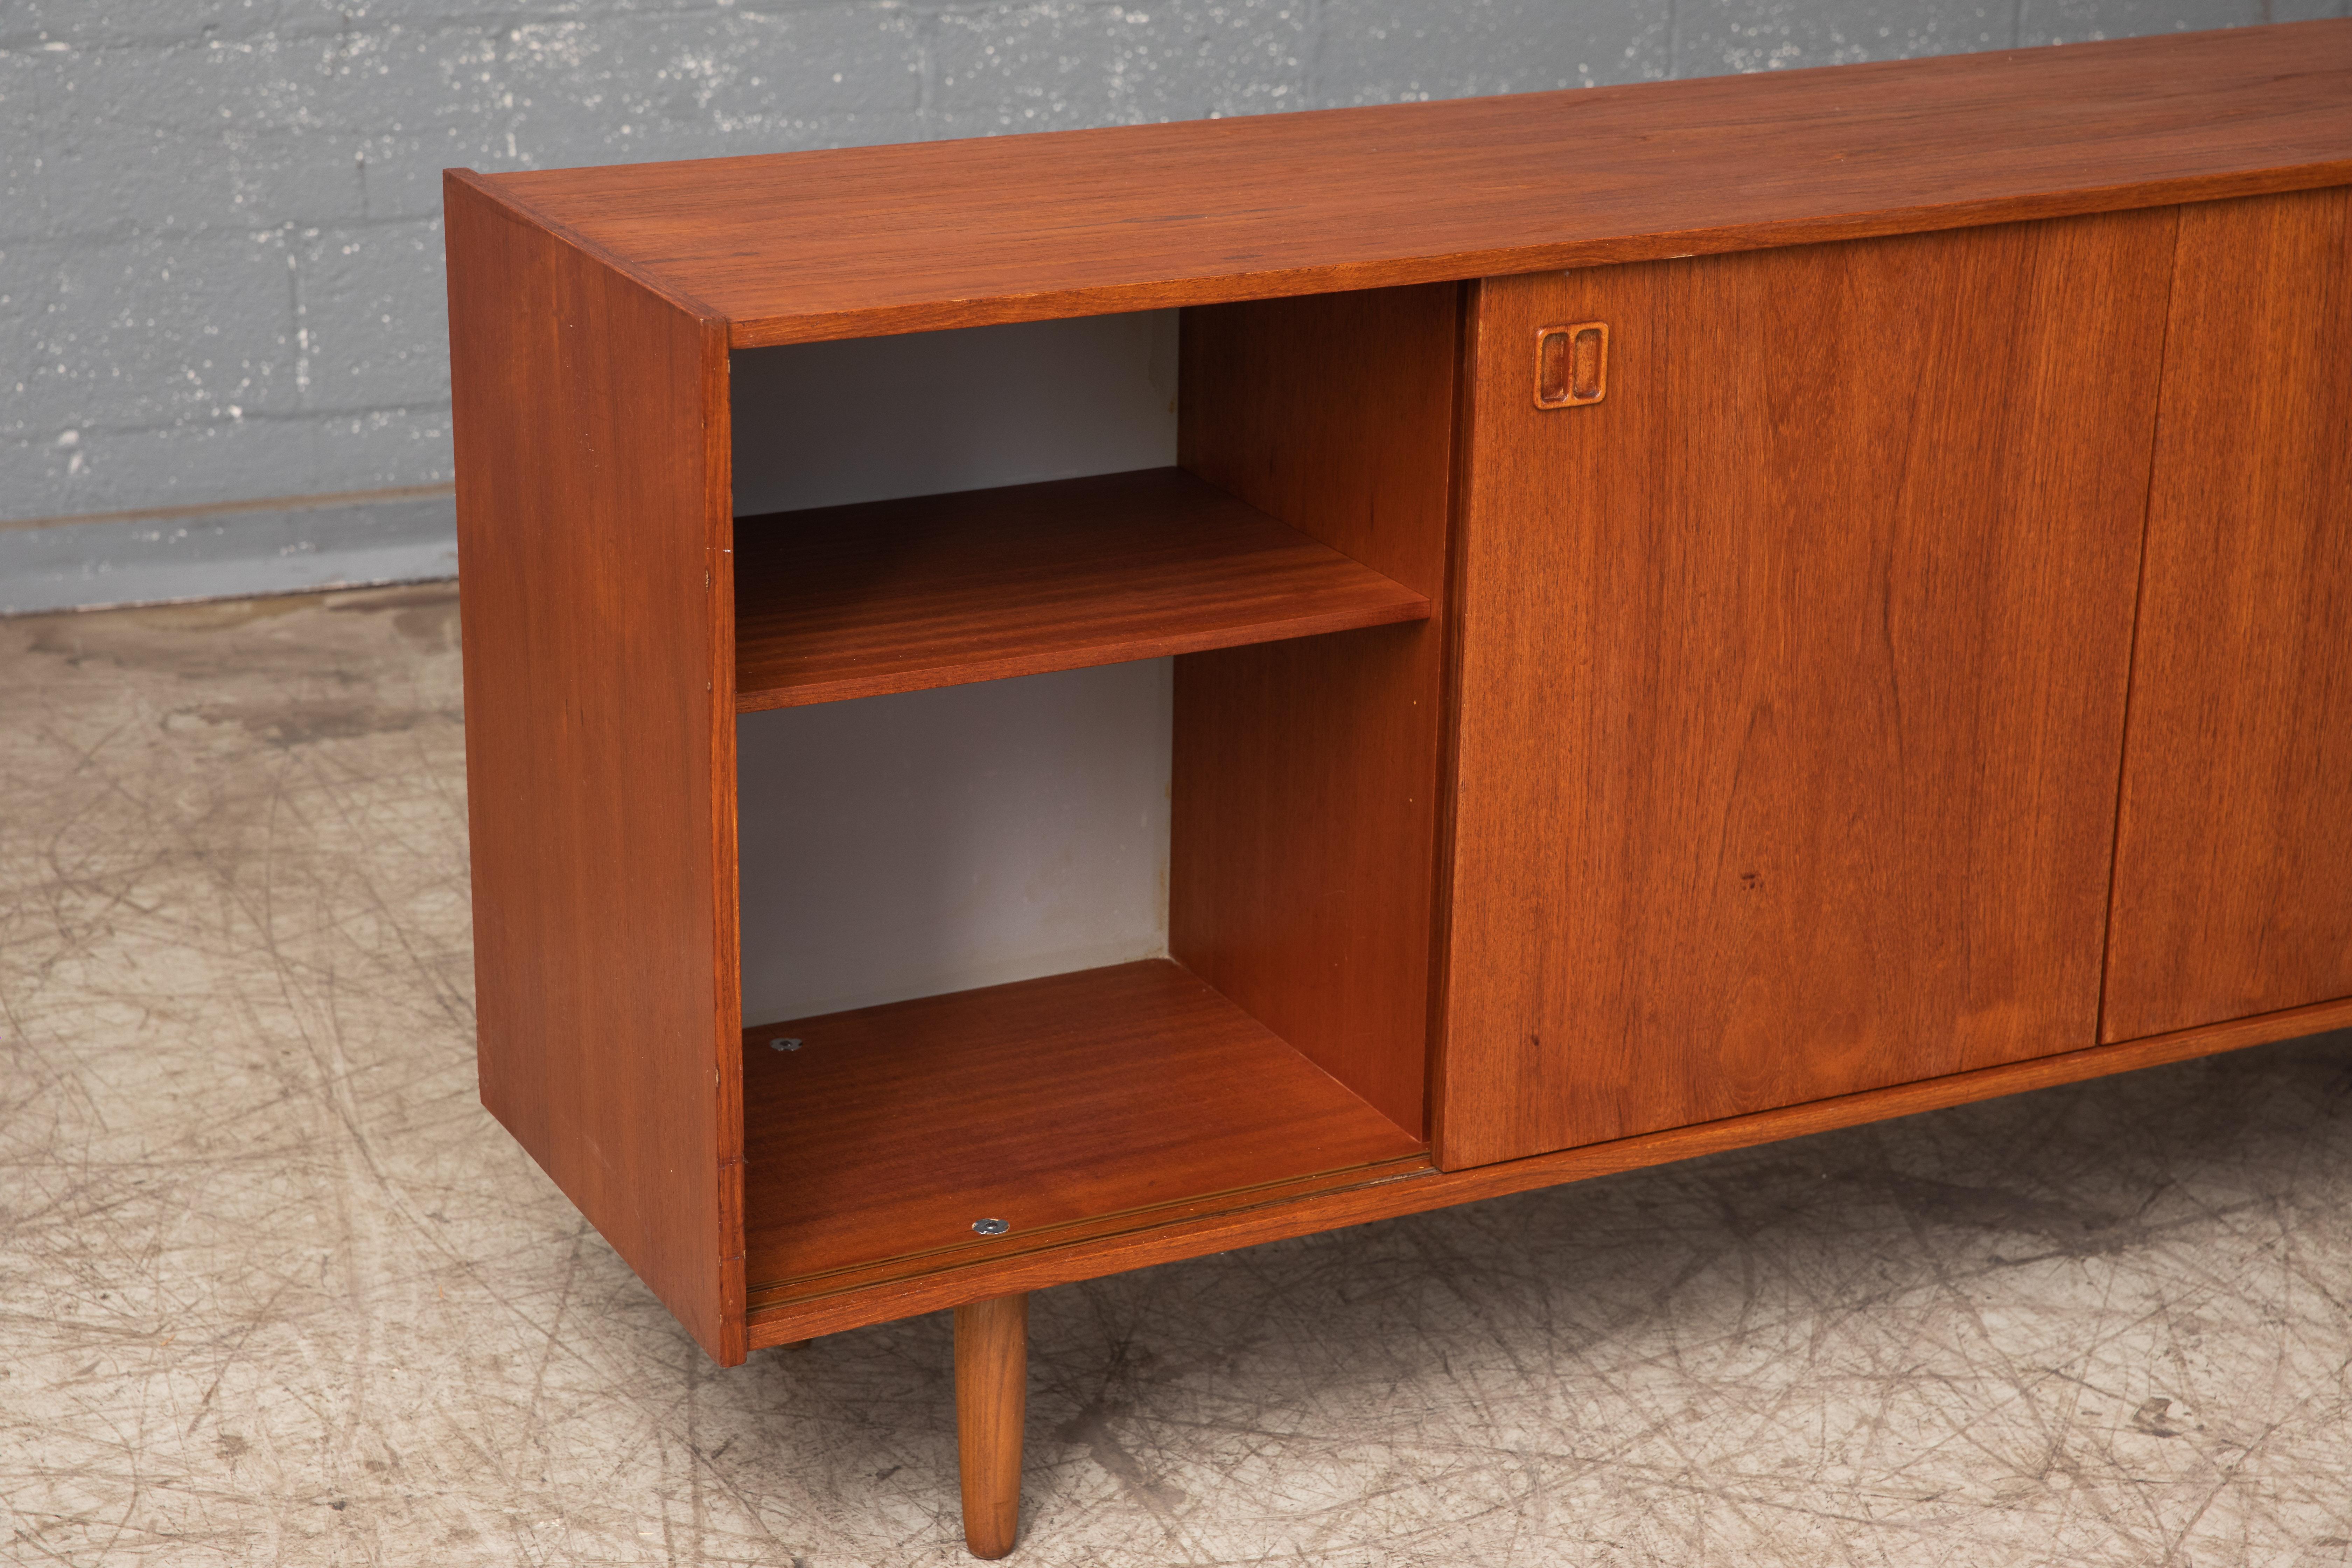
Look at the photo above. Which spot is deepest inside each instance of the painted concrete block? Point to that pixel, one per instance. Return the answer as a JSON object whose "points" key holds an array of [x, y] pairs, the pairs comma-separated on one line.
{"points": [[372, 316], [1389, 51], [1061, 65], [597, 89], [153, 328], [207, 462], [1730, 36], [2081, 21]]}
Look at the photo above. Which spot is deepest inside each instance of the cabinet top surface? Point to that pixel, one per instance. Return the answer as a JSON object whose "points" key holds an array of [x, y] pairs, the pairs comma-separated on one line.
{"points": [[866, 241]]}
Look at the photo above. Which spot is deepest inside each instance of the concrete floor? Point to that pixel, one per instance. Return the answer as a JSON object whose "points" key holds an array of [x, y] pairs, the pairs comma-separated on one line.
{"points": [[276, 1290]]}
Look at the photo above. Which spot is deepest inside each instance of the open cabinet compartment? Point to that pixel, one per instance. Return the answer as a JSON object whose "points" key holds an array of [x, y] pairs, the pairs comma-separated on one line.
{"points": [[1295, 563]]}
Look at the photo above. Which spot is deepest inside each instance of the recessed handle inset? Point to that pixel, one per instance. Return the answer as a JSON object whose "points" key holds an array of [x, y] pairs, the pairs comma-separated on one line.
{"points": [[1572, 364]]}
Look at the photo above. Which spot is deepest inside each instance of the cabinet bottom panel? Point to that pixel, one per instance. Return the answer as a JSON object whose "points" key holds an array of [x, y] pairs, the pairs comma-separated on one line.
{"points": [[963, 1129], [852, 1299]]}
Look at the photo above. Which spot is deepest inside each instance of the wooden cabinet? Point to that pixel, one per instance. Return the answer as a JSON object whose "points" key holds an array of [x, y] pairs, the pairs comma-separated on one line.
{"points": [[1703, 612], [2233, 854]]}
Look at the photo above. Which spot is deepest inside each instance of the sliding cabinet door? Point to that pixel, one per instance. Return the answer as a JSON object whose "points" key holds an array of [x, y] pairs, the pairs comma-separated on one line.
{"points": [[1792, 672], [2234, 862]]}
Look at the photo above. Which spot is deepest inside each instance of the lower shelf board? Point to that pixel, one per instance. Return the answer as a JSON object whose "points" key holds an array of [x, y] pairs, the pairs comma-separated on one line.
{"points": [[1077, 1105], [854, 1297]]}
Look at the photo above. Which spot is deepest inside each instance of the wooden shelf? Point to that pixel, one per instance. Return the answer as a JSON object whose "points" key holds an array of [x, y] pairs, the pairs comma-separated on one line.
{"points": [[1077, 1105], [857, 601]]}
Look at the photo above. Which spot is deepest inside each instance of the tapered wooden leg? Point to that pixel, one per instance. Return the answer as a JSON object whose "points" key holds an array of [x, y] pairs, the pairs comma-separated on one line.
{"points": [[991, 1370]]}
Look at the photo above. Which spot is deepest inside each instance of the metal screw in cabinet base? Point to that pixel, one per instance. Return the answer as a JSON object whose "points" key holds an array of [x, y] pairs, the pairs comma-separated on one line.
{"points": [[991, 1226], [783, 1045]]}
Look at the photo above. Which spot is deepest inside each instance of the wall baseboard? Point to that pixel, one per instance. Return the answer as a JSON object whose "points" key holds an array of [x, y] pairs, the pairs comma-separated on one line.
{"points": [[218, 553]]}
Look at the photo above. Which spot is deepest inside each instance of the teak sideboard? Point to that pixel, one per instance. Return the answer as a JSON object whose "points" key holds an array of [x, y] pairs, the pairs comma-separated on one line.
{"points": [[1702, 612]]}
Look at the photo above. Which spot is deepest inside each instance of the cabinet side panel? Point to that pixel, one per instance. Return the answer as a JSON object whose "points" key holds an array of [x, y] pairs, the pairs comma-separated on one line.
{"points": [[2233, 865], [1304, 772], [599, 715], [1792, 676]]}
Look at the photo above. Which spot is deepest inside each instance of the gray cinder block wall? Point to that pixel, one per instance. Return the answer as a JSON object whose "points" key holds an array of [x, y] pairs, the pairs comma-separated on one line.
{"points": [[220, 247]]}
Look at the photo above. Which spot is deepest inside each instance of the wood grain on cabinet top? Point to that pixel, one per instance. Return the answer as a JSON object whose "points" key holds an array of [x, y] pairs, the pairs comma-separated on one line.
{"points": [[856, 242]]}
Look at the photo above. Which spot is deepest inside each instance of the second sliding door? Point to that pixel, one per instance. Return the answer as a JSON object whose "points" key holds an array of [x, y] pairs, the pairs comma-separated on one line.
{"points": [[2233, 880], [1792, 672]]}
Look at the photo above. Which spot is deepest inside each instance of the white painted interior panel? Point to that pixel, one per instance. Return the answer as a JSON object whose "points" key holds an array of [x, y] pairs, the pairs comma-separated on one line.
{"points": [[904, 845], [871, 418]]}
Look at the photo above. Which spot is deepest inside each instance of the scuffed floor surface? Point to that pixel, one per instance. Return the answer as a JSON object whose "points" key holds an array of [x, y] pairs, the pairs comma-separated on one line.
{"points": [[276, 1289]]}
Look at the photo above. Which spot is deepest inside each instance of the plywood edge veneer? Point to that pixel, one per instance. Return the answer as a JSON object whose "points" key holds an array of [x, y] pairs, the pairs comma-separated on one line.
{"points": [[1447, 802], [522, 210], [1414, 1190], [866, 241], [899, 595], [1094, 1228], [590, 421], [726, 876]]}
